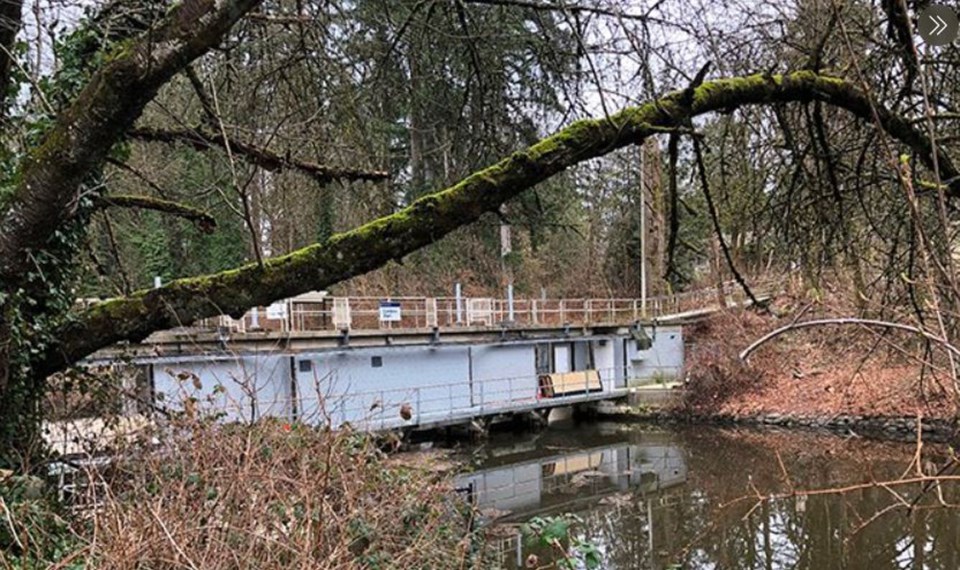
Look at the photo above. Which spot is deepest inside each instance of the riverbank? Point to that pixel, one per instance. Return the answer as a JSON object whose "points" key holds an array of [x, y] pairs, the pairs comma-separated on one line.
{"points": [[848, 380], [897, 428]]}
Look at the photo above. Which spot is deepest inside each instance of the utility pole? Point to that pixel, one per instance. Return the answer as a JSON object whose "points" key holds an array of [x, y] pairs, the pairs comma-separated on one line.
{"points": [[643, 239]]}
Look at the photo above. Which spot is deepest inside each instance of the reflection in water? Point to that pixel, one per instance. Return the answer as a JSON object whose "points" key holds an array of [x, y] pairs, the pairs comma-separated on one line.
{"points": [[687, 498]]}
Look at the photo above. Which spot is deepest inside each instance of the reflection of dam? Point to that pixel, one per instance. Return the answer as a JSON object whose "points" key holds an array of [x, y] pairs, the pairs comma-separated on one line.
{"points": [[562, 482]]}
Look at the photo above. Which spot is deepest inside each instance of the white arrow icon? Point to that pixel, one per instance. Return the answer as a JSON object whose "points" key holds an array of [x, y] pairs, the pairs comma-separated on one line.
{"points": [[939, 26]]}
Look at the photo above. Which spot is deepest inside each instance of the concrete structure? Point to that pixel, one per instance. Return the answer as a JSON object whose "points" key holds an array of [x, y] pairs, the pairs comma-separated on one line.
{"points": [[391, 386], [413, 362]]}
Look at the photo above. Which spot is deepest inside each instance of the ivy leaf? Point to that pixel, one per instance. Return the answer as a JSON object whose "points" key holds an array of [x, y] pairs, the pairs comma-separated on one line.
{"points": [[556, 529]]}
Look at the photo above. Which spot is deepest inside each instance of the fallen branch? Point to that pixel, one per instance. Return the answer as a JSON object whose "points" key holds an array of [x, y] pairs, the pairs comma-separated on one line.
{"points": [[842, 322]]}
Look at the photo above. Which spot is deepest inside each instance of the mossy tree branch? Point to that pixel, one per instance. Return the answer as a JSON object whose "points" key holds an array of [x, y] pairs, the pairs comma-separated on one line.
{"points": [[433, 216], [262, 157], [204, 221], [83, 134]]}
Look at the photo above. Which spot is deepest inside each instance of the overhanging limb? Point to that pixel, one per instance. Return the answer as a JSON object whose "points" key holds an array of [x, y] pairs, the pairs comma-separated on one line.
{"points": [[433, 216]]}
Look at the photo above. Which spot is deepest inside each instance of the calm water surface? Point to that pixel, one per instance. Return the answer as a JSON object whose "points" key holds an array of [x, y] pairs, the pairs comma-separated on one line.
{"points": [[687, 498]]}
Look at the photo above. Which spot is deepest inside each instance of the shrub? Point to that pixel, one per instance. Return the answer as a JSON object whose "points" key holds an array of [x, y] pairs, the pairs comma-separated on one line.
{"points": [[202, 494]]}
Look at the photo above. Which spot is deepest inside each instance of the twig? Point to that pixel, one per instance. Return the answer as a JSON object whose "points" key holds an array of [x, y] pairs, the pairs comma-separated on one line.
{"points": [[715, 218], [846, 321], [8, 517], [172, 540]]}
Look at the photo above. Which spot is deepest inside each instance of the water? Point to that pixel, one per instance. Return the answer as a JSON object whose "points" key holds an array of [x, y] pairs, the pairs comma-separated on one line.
{"points": [[688, 498]]}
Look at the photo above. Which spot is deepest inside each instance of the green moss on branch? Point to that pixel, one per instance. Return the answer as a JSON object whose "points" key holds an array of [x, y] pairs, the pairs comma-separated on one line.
{"points": [[436, 215]]}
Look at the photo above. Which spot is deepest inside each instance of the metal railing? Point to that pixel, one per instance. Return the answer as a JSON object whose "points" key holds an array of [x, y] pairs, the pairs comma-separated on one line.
{"points": [[365, 313], [333, 401]]}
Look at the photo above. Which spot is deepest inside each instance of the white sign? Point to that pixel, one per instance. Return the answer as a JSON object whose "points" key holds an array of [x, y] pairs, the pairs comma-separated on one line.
{"points": [[389, 311], [277, 311]]}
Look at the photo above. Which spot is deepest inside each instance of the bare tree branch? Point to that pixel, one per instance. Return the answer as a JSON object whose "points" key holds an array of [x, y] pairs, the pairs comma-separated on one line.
{"points": [[715, 218], [204, 221], [261, 157], [101, 114], [745, 354], [563, 7], [11, 14]]}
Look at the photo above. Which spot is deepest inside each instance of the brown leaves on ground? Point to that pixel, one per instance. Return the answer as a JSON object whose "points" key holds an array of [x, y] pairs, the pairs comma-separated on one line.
{"points": [[820, 371]]}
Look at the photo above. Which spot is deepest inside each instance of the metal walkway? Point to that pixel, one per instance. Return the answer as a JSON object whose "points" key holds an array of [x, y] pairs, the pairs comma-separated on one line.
{"points": [[315, 312]]}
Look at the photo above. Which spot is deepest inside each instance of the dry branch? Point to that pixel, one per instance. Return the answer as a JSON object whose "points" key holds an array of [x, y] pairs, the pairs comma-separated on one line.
{"points": [[262, 157], [842, 322], [204, 221]]}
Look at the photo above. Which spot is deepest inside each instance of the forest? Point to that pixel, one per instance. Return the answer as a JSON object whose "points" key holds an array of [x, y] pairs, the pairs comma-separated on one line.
{"points": [[163, 162]]}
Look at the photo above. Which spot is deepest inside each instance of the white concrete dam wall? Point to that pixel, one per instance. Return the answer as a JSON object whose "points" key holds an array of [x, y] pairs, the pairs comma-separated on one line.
{"points": [[395, 386]]}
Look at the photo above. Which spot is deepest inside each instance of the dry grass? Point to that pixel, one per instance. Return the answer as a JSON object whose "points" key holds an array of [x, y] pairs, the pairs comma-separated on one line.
{"points": [[268, 495]]}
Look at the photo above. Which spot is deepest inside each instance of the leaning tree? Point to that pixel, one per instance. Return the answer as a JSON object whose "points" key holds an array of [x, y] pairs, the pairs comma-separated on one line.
{"points": [[52, 184]]}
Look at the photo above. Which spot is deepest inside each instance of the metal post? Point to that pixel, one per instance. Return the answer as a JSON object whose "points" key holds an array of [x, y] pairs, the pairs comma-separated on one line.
{"points": [[510, 302], [643, 240], [157, 282], [457, 292], [254, 318]]}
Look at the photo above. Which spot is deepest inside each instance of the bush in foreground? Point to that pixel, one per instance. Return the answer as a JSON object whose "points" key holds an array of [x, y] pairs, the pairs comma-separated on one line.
{"points": [[268, 495]]}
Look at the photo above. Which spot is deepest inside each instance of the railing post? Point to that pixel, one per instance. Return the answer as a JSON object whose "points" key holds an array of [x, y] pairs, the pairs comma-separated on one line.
{"points": [[458, 293]]}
